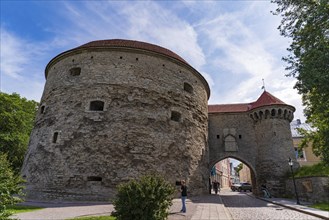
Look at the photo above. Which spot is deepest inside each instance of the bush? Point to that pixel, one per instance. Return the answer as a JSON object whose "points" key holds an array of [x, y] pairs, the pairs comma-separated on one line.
{"points": [[320, 169], [148, 198], [10, 187]]}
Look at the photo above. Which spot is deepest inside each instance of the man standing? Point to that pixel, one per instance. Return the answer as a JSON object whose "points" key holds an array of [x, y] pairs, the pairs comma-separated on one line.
{"points": [[183, 190]]}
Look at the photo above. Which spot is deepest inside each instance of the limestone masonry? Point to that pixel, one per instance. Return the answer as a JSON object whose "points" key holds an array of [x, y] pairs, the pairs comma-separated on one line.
{"points": [[113, 110]]}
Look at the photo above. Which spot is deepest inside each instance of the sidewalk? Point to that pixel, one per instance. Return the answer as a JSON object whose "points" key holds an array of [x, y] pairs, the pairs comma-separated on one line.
{"points": [[291, 204], [207, 207]]}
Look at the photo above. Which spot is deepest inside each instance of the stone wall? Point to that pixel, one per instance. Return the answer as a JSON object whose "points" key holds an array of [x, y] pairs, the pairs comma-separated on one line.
{"points": [[107, 116], [310, 189]]}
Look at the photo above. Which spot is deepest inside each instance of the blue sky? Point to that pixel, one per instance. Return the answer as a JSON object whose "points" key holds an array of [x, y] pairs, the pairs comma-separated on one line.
{"points": [[233, 44]]}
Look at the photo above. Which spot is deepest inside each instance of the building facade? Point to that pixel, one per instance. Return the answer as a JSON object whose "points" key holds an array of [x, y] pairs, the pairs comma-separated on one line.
{"points": [[222, 173], [305, 156], [244, 174]]}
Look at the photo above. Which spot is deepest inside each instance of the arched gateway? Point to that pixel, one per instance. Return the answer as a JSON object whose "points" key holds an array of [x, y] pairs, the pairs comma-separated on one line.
{"points": [[256, 133], [113, 110]]}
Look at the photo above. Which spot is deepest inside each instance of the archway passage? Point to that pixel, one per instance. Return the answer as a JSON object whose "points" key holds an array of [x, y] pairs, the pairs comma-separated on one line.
{"points": [[231, 173]]}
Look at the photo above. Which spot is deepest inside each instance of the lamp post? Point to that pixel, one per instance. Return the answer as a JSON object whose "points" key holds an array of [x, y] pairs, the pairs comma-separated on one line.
{"points": [[291, 163]]}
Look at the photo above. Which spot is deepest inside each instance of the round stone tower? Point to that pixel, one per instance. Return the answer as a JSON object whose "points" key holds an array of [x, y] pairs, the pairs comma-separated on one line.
{"points": [[272, 119], [113, 110]]}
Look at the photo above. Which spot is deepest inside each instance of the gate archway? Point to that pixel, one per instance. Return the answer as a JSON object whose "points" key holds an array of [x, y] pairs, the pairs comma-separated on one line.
{"points": [[249, 133], [222, 183]]}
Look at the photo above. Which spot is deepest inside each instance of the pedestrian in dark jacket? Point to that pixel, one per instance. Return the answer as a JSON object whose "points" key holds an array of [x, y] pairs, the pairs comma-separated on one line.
{"points": [[183, 190]]}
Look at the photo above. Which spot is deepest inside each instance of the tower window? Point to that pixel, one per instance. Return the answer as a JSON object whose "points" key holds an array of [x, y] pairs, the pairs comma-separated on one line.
{"points": [[273, 112], [42, 109], [94, 178], [55, 137], [188, 88], [96, 106], [175, 116], [75, 71]]}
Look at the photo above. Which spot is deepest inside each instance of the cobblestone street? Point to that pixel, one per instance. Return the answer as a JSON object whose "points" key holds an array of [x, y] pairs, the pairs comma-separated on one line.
{"points": [[227, 205], [242, 206]]}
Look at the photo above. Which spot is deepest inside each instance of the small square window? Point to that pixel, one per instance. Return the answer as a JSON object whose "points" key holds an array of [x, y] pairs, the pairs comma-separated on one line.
{"points": [[96, 106], [75, 71], [175, 116], [188, 88]]}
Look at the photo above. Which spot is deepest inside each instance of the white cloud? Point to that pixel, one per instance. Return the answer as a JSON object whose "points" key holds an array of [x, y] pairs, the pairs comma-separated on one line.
{"points": [[21, 70], [13, 55], [232, 44], [144, 21]]}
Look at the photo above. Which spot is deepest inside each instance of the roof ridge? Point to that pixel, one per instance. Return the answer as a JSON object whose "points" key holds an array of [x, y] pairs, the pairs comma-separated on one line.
{"points": [[265, 99], [133, 44]]}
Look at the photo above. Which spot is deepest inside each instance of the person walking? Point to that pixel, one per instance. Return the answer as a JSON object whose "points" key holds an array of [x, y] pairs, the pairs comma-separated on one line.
{"points": [[216, 186], [183, 190]]}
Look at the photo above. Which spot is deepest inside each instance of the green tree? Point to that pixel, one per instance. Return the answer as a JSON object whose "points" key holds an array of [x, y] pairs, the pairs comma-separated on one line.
{"points": [[147, 198], [16, 122], [238, 168], [306, 22], [10, 187]]}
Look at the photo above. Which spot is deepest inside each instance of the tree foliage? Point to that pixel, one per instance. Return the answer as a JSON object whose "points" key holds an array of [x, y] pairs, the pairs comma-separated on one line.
{"points": [[147, 198], [10, 187], [238, 168], [16, 121], [306, 22]]}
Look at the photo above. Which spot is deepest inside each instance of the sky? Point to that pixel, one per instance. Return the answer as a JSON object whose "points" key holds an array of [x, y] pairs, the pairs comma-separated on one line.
{"points": [[234, 44]]}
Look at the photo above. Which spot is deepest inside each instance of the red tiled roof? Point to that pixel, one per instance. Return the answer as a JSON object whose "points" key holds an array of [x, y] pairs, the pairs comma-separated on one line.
{"points": [[228, 108], [132, 44], [267, 99], [264, 100]]}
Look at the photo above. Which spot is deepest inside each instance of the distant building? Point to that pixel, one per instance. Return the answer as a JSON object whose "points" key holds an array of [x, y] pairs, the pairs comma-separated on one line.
{"points": [[234, 176], [305, 157], [244, 174], [221, 173]]}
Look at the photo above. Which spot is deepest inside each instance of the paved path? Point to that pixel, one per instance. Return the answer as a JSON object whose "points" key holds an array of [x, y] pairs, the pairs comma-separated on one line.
{"points": [[203, 207], [207, 207], [244, 206]]}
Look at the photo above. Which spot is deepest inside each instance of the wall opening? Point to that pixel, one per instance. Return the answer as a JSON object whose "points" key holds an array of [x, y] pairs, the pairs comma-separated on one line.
{"points": [[231, 173], [96, 106], [55, 137], [188, 88], [75, 71], [94, 178], [273, 112], [175, 116], [42, 109]]}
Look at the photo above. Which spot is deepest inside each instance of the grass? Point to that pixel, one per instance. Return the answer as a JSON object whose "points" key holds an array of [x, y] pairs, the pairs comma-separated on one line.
{"points": [[95, 218], [20, 208], [322, 206], [319, 169]]}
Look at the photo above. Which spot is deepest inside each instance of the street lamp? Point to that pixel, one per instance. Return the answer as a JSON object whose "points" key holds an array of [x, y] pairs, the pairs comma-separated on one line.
{"points": [[291, 163]]}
